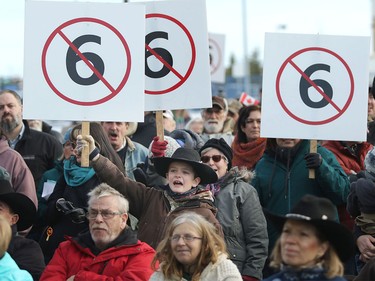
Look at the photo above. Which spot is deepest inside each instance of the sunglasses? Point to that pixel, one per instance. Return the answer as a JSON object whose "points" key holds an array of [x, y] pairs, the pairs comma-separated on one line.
{"points": [[215, 158]]}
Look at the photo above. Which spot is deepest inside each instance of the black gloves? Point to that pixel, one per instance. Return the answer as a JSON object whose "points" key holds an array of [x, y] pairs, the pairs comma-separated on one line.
{"points": [[313, 160], [77, 215]]}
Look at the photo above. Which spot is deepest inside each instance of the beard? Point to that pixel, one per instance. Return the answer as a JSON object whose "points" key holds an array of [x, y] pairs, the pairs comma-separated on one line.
{"points": [[7, 126], [213, 126]]}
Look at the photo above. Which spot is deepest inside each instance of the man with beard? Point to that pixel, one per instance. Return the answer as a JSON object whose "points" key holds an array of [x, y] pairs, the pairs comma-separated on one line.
{"points": [[130, 152], [216, 122], [38, 149]]}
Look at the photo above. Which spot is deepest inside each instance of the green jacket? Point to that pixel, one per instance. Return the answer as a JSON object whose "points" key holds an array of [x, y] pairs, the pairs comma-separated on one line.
{"points": [[280, 188]]}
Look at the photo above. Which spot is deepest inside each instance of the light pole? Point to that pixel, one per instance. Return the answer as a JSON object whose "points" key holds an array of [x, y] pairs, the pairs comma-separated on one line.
{"points": [[247, 73]]}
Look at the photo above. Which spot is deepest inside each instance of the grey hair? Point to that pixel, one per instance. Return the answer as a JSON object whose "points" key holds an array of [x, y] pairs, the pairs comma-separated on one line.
{"points": [[13, 93], [103, 190]]}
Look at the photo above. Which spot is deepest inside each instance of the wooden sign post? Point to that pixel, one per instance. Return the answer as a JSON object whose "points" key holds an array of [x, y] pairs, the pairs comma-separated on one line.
{"points": [[313, 149], [85, 149], [159, 125]]}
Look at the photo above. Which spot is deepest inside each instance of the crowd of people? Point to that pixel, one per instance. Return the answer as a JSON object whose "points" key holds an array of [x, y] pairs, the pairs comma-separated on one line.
{"points": [[210, 200]]}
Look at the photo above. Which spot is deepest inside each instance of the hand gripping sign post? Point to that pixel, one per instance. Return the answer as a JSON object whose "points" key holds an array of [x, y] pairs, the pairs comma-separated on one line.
{"points": [[314, 86], [81, 62], [177, 70]]}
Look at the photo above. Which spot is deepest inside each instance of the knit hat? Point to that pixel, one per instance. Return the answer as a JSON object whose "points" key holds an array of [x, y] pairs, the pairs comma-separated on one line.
{"points": [[67, 136], [365, 190], [171, 147], [370, 162], [187, 138], [222, 146]]}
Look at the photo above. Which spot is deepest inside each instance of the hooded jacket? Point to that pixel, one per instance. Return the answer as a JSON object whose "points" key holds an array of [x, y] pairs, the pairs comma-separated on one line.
{"points": [[244, 225]]}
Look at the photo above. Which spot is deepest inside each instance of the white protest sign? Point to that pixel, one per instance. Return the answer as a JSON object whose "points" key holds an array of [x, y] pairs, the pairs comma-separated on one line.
{"points": [[82, 61], [216, 43], [177, 69], [315, 87]]}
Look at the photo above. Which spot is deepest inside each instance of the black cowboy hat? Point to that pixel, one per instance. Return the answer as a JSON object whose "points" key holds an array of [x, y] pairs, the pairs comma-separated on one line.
{"points": [[190, 156], [321, 213], [19, 204]]}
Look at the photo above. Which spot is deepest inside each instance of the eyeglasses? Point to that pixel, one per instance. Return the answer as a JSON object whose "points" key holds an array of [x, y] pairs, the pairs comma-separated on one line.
{"points": [[187, 238], [216, 158], [214, 110], [106, 215]]}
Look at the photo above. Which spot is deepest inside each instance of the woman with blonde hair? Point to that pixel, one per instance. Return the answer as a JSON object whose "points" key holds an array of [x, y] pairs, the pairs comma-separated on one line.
{"points": [[192, 250], [312, 245], [9, 270]]}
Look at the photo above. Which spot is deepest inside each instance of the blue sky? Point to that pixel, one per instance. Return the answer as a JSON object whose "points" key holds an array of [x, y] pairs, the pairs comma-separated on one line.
{"points": [[332, 17]]}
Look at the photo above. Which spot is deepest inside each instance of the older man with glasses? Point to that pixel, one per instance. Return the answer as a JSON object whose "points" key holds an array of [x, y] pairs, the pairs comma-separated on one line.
{"points": [[110, 249]]}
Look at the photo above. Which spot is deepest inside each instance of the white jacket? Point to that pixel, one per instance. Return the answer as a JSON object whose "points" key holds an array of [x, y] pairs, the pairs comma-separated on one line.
{"points": [[223, 270]]}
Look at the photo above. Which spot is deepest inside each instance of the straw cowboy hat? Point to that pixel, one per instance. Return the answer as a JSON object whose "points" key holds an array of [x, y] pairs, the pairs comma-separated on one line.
{"points": [[321, 213], [190, 156], [19, 203]]}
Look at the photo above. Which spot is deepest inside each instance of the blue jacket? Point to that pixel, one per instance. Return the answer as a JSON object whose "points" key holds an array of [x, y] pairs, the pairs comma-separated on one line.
{"points": [[135, 153], [9, 270]]}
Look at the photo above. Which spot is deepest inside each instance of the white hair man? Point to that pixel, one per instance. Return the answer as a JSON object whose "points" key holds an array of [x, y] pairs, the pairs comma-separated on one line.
{"points": [[109, 249], [215, 121]]}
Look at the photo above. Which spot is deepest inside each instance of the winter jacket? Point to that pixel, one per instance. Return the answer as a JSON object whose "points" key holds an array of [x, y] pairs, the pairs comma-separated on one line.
{"points": [[280, 186], [302, 275], [126, 258], [52, 176], [351, 161], [39, 150], [9, 271], [27, 254], [21, 177], [244, 225], [62, 224], [152, 207], [223, 270], [146, 130]]}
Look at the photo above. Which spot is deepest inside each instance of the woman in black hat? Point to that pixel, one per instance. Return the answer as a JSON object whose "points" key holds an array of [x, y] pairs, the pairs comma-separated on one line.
{"points": [[312, 245], [239, 210], [156, 208]]}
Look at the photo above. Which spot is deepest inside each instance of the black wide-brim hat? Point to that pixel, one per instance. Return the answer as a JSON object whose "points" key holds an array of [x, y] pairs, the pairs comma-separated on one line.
{"points": [[19, 204], [190, 156], [321, 213]]}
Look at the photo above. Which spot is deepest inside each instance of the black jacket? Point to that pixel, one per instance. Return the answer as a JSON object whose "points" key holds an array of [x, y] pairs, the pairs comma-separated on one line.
{"points": [[27, 254], [39, 150]]}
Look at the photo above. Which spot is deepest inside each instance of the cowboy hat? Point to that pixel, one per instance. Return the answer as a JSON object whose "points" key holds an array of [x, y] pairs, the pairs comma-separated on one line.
{"points": [[19, 204], [321, 213], [189, 156]]}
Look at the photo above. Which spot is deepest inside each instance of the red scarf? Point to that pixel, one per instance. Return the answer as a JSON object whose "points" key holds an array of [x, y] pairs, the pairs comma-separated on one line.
{"points": [[247, 154]]}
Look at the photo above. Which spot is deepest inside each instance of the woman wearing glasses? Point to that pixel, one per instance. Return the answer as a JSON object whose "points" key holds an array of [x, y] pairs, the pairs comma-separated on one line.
{"points": [[239, 210], [192, 250]]}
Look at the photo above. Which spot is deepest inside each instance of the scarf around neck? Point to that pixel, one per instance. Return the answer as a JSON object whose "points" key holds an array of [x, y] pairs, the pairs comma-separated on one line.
{"points": [[247, 154], [76, 175]]}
